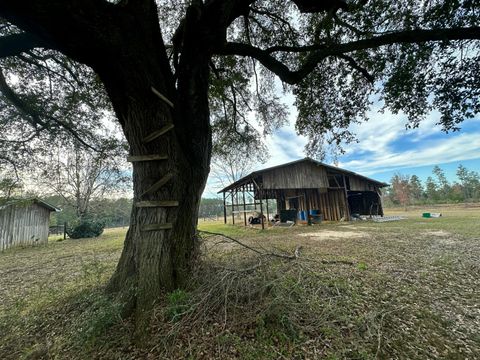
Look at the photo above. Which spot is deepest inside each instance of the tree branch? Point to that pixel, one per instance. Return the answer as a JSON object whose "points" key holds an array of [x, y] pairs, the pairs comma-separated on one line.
{"points": [[35, 117], [17, 44], [322, 51], [81, 29], [351, 61]]}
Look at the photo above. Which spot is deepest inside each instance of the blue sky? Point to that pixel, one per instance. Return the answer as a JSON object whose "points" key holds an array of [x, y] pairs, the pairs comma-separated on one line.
{"points": [[385, 147]]}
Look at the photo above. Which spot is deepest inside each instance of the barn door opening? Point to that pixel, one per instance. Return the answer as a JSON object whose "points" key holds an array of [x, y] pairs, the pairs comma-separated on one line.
{"points": [[364, 203]]}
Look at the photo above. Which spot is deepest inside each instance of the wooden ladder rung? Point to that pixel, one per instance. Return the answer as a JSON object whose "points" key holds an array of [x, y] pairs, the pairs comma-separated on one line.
{"points": [[135, 158], [158, 184], [154, 227], [161, 96], [158, 133], [152, 204]]}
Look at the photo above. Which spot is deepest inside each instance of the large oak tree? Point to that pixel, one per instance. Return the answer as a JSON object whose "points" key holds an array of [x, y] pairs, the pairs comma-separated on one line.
{"points": [[191, 65]]}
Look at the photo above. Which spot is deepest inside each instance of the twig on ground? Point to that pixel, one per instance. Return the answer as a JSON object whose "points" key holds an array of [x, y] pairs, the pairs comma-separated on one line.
{"points": [[231, 239], [294, 256]]}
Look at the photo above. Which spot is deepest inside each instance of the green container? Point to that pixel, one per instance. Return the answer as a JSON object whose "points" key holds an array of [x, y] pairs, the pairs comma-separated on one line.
{"points": [[426, 215]]}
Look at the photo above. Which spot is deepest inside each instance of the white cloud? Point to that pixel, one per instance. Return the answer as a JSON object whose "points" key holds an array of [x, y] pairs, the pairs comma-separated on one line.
{"points": [[465, 146]]}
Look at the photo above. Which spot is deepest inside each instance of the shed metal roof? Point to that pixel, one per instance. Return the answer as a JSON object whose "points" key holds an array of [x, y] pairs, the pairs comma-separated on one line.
{"points": [[252, 175], [32, 200]]}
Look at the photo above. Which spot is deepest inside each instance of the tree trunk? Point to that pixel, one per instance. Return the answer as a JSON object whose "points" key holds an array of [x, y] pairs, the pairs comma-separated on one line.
{"points": [[124, 46], [159, 260], [155, 261]]}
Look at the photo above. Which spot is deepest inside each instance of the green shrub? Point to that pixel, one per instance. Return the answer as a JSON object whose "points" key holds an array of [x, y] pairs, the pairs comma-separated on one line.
{"points": [[362, 266], [97, 318], [177, 304], [86, 229]]}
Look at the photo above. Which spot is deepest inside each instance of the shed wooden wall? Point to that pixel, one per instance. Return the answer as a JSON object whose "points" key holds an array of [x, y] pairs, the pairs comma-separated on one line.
{"points": [[23, 225], [297, 176], [331, 203]]}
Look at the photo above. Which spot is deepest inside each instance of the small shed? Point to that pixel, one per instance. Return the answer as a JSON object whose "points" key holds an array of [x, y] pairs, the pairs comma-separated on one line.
{"points": [[305, 185], [24, 222]]}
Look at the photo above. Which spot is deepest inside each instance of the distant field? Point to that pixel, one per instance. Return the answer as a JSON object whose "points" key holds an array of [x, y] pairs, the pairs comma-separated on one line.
{"points": [[406, 289]]}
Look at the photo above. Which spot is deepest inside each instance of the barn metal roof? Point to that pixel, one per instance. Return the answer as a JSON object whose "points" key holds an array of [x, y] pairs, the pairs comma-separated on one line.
{"points": [[248, 178]]}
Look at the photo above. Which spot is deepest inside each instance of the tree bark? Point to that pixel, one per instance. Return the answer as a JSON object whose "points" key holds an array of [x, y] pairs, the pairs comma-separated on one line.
{"points": [[156, 261], [159, 260]]}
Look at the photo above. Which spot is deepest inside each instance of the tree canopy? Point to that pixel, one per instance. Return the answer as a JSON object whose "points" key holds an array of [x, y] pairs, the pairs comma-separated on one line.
{"points": [[333, 55]]}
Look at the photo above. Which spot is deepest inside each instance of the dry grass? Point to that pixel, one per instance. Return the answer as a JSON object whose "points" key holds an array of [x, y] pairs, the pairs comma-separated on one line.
{"points": [[362, 290]]}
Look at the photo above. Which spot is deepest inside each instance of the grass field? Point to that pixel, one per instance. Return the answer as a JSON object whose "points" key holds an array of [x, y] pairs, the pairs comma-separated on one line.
{"points": [[408, 289]]}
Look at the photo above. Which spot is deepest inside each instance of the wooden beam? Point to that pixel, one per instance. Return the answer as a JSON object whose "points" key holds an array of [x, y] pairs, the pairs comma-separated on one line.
{"points": [[135, 158], [158, 133], [347, 207], [158, 184], [233, 209], [260, 194], [307, 207], [268, 215], [155, 227], [224, 210], [161, 96], [153, 204], [244, 207]]}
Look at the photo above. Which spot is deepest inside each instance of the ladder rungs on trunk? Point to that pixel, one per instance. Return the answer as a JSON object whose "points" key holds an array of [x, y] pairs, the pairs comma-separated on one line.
{"points": [[135, 158], [158, 133], [154, 227], [161, 96], [152, 204], [158, 184]]}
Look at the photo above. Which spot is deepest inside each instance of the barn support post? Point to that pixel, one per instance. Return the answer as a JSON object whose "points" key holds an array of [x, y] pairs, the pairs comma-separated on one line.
{"points": [[236, 199], [261, 213], [268, 215], [347, 207], [307, 207], [224, 209], [261, 208], [233, 207], [244, 206]]}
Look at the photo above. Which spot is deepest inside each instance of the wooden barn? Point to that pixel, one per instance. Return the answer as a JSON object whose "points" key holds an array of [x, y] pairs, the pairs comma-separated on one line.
{"points": [[24, 222], [308, 186]]}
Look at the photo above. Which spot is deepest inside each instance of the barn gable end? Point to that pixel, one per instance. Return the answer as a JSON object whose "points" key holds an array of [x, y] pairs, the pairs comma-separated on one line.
{"points": [[301, 175]]}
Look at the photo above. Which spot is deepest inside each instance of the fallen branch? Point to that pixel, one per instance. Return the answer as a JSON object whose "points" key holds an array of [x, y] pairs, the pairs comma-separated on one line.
{"points": [[231, 239], [295, 255]]}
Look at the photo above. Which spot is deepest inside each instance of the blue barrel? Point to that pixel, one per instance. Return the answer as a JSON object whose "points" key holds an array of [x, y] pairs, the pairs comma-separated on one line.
{"points": [[303, 215], [314, 212]]}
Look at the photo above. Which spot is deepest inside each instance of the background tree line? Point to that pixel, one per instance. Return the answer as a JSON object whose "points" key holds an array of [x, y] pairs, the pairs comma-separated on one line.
{"points": [[409, 190]]}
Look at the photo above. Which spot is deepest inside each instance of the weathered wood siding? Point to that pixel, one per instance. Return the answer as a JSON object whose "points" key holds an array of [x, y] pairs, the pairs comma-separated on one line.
{"points": [[301, 175], [23, 225], [331, 203], [359, 184]]}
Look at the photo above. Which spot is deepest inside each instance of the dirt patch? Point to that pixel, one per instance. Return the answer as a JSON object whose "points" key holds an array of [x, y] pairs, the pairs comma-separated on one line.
{"points": [[327, 234], [440, 233], [441, 236], [357, 227]]}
